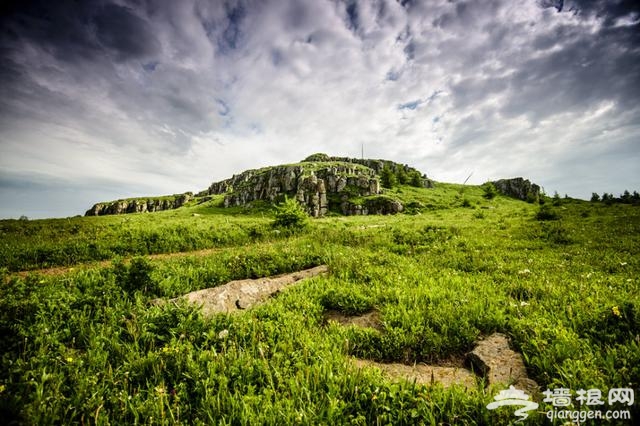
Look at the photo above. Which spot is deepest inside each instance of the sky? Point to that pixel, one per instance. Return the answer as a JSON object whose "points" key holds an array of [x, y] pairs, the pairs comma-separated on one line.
{"points": [[106, 99]]}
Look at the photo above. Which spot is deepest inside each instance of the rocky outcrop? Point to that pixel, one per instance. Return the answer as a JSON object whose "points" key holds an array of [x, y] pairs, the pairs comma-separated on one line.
{"points": [[310, 186], [374, 205], [375, 165], [518, 188], [139, 205]]}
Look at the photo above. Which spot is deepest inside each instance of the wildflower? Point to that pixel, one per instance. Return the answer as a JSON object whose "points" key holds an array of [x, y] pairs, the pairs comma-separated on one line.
{"points": [[615, 311], [523, 303], [2, 388], [160, 390], [623, 263], [223, 334], [524, 271], [69, 359]]}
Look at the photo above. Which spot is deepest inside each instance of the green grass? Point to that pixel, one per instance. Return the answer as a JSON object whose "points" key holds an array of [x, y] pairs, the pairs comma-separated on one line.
{"points": [[88, 347]]}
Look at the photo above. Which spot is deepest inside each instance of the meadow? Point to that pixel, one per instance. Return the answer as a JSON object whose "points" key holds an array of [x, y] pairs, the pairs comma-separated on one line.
{"points": [[84, 345]]}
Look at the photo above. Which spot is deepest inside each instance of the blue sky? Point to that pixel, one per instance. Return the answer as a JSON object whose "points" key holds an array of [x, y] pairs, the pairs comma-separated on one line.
{"points": [[112, 99]]}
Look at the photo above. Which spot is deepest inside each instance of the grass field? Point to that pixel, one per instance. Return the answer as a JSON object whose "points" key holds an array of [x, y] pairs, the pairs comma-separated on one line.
{"points": [[85, 346]]}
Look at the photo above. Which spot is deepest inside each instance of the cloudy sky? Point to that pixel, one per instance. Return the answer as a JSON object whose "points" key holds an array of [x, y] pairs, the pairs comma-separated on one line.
{"points": [[108, 99]]}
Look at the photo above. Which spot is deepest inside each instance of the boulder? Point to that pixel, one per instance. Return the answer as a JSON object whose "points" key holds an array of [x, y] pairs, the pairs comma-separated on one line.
{"points": [[519, 188]]}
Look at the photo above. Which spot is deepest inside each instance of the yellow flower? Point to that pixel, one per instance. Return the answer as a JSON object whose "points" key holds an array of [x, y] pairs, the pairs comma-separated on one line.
{"points": [[615, 311], [69, 359], [2, 388]]}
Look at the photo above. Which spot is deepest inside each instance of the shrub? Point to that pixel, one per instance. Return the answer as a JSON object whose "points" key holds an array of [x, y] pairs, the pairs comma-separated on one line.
{"points": [[466, 203], [489, 190], [290, 215], [547, 213], [388, 179], [595, 197], [317, 157], [532, 198], [556, 199], [556, 233], [136, 276], [415, 179]]}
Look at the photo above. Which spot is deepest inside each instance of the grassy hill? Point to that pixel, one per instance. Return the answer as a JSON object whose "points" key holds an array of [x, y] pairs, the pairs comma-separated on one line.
{"points": [[83, 343]]}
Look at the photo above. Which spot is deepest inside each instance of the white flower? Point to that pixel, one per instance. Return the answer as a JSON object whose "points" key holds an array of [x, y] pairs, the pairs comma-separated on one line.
{"points": [[523, 303], [524, 271], [223, 334]]}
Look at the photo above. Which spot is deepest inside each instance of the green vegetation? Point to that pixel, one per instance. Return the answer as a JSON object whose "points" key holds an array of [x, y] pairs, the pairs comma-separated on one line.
{"points": [[388, 178], [291, 216], [625, 198], [489, 190], [88, 346]]}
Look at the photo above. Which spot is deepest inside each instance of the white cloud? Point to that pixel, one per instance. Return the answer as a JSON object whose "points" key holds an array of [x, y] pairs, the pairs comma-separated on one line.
{"points": [[498, 88]]}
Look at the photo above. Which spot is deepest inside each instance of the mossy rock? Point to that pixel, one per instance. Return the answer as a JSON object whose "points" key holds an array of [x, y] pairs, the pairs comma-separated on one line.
{"points": [[317, 157]]}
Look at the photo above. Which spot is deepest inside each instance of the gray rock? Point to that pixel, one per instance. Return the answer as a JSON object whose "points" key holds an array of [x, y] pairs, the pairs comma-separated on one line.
{"points": [[501, 365], [519, 188], [138, 205]]}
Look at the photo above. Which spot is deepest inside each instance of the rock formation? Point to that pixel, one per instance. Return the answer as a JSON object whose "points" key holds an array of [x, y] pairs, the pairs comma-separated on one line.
{"points": [[518, 188], [139, 205], [319, 183]]}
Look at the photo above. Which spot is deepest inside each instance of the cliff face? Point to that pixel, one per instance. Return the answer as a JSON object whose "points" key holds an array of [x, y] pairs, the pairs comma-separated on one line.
{"points": [[139, 205], [319, 183], [309, 185], [518, 188]]}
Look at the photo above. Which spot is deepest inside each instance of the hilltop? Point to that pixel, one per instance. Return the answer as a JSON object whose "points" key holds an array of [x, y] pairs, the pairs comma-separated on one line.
{"points": [[320, 183]]}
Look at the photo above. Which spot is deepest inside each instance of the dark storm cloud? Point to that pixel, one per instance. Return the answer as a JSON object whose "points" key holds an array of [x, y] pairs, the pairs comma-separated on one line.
{"points": [[128, 35], [585, 71], [77, 31], [609, 10]]}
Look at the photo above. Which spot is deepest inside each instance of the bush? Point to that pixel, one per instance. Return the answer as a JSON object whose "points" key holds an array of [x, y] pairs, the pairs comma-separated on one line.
{"points": [[136, 276], [317, 157], [388, 179], [547, 213], [415, 179], [595, 197], [290, 215], [489, 190]]}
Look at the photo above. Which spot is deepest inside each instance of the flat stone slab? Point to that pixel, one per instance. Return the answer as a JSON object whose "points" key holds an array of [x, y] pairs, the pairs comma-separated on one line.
{"points": [[499, 364], [423, 374], [244, 294]]}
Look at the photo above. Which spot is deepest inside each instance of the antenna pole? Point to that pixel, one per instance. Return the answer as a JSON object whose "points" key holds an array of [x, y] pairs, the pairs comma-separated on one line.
{"points": [[362, 151], [465, 181]]}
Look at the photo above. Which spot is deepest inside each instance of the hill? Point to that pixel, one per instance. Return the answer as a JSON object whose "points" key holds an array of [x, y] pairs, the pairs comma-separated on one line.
{"points": [[320, 183]]}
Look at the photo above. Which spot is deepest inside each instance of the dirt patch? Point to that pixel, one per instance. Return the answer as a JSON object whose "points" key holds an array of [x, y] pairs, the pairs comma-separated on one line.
{"points": [[493, 358], [423, 374], [368, 320], [244, 294]]}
